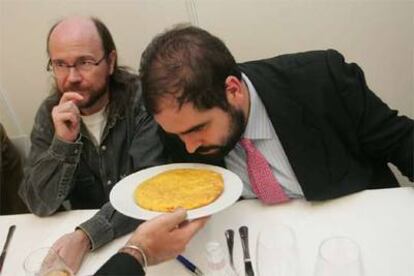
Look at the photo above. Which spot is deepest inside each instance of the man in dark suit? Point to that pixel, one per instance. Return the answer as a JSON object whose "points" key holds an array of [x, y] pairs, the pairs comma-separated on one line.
{"points": [[322, 131]]}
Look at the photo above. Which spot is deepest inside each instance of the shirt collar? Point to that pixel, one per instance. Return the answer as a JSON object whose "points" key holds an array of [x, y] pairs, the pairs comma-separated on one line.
{"points": [[258, 124]]}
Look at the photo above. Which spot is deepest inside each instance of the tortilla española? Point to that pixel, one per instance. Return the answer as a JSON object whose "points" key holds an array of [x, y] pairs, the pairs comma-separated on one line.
{"points": [[186, 188]]}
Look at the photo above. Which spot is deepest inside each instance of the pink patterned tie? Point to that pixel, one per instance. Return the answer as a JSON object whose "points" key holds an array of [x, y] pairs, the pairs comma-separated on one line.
{"points": [[263, 182]]}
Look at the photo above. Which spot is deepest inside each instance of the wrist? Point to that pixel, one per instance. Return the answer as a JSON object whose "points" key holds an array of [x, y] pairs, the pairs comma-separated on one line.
{"points": [[68, 152], [137, 252], [84, 239], [137, 256], [70, 139]]}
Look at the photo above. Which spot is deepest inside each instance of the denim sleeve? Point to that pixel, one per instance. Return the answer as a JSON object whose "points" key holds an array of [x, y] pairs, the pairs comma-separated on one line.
{"points": [[145, 151], [50, 167], [106, 225]]}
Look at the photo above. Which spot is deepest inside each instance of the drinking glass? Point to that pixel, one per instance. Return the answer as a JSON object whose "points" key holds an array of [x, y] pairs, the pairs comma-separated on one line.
{"points": [[339, 256], [277, 253], [45, 262]]}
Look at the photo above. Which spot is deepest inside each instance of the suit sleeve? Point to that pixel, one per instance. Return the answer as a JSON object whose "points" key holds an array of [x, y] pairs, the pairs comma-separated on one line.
{"points": [[383, 134], [121, 264]]}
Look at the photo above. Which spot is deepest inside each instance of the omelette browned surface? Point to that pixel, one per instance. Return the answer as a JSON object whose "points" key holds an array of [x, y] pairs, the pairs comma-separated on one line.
{"points": [[185, 188]]}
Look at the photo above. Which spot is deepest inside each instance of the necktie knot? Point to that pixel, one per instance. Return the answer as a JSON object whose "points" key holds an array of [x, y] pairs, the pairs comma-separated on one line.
{"points": [[247, 144]]}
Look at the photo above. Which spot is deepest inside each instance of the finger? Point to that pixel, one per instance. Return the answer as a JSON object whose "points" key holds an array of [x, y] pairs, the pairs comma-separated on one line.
{"points": [[190, 229], [68, 106], [184, 223], [56, 246], [70, 96], [68, 117], [172, 220]]}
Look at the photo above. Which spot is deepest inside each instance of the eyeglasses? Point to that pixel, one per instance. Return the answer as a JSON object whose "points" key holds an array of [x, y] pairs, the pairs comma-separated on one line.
{"points": [[60, 68]]}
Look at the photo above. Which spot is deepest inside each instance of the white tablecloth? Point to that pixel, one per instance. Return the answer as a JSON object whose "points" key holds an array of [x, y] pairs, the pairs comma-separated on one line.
{"points": [[380, 221]]}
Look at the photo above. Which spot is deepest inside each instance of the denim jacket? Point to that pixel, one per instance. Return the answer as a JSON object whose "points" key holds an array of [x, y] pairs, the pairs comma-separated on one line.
{"points": [[83, 173]]}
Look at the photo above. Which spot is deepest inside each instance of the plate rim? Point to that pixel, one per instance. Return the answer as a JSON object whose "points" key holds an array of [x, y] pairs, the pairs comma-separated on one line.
{"points": [[192, 213]]}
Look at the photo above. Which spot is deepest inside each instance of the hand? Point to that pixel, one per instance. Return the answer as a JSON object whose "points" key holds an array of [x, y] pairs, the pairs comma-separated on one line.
{"points": [[66, 117], [166, 236], [72, 248]]}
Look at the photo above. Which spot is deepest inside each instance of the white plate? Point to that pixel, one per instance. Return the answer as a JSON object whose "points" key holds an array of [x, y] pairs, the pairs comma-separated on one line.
{"points": [[122, 195]]}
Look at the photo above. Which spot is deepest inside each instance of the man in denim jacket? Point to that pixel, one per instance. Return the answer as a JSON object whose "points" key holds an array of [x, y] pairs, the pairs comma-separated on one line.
{"points": [[91, 132]]}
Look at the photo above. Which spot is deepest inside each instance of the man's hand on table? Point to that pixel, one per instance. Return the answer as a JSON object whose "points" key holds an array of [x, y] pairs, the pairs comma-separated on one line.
{"points": [[162, 238], [72, 248]]}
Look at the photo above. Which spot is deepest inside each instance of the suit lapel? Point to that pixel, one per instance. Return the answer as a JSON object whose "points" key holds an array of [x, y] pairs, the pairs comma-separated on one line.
{"points": [[297, 133]]}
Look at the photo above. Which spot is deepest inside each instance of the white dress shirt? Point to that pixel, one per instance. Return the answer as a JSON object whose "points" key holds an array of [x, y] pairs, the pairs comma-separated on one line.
{"points": [[260, 130]]}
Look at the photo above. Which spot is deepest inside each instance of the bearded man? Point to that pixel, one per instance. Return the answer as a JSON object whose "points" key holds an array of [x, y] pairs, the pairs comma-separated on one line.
{"points": [[91, 132], [303, 125]]}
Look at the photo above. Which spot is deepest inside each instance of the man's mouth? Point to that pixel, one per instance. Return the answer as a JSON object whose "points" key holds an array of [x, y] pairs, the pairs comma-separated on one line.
{"points": [[208, 150]]}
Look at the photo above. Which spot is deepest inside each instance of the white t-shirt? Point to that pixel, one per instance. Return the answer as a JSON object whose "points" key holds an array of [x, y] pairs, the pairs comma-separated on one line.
{"points": [[95, 124], [260, 130]]}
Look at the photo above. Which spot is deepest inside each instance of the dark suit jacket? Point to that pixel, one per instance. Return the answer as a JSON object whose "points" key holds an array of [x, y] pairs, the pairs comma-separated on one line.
{"points": [[121, 264], [337, 135]]}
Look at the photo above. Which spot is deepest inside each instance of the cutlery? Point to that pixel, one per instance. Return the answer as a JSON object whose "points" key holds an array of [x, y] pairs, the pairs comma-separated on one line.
{"points": [[6, 245], [244, 235], [230, 242]]}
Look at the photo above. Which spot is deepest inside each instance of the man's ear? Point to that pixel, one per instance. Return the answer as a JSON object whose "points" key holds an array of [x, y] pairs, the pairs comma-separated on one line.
{"points": [[234, 91], [111, 61]]}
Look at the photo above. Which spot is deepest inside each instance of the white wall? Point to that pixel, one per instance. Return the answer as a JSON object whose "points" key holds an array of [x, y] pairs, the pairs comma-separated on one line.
{"points": [[378, 35], [23, 29]]}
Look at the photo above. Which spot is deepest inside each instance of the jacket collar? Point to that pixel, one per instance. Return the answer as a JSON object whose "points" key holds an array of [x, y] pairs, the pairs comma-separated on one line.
{"points": [[294, 126]]}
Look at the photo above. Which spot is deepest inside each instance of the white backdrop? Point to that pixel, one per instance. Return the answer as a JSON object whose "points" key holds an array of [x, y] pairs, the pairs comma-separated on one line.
{"points": [[378, 35]]}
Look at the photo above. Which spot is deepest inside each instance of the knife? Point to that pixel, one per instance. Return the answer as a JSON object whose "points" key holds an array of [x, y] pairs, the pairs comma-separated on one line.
{"points": [[244, 235], [6, 245], [230, 241]]}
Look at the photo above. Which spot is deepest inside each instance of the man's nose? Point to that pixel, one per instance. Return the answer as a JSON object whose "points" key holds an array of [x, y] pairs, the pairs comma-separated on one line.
{"points": [[191, 144], [74, 75]]}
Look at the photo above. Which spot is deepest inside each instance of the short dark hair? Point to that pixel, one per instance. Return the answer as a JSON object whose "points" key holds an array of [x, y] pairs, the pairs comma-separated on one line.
{"points": [[188, 63]]}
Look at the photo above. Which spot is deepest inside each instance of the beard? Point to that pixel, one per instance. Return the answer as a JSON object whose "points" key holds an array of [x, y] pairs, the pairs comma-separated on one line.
{"points": [[237, 127], [93, 95]]}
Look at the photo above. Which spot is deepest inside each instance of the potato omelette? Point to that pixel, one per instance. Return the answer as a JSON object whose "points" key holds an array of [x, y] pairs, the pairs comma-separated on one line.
{"points": [[185, 188]]}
